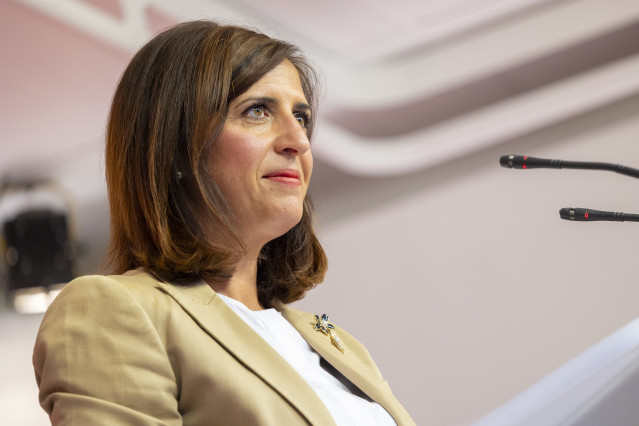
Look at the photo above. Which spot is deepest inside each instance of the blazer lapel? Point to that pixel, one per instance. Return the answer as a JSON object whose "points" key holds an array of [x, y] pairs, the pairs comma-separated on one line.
{"points": [[230, 331], [347, 363]]}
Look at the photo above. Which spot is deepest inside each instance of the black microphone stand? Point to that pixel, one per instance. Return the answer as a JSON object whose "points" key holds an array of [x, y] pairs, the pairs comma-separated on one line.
{"points": [[526, 162], [571, 213]]}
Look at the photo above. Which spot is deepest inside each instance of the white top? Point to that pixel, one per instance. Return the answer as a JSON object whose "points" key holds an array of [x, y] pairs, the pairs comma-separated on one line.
{"points": [[347, 404]]}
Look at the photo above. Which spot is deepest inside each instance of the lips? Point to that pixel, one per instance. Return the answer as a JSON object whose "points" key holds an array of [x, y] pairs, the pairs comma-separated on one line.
{"points": [[286, 176]]}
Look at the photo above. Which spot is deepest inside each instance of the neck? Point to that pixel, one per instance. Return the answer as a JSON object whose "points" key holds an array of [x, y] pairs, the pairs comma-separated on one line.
{"points": [[242, 286]]}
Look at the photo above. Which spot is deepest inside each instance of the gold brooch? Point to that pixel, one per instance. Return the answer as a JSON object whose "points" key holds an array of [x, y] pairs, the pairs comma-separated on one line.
{"points": [[322, 324]]}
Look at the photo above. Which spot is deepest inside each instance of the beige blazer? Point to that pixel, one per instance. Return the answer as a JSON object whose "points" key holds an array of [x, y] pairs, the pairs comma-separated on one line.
{"points": [[132, 350]]}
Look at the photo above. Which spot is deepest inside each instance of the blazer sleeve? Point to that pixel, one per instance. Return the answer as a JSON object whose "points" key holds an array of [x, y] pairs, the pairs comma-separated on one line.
{"points": [[99, 360]]}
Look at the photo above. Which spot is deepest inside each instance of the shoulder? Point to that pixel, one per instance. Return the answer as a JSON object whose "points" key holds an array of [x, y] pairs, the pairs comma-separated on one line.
{"points": [[99, 308], [132, 288], [131, 283], [100, 303], [96, 329], [97, 314], [135, 296]]}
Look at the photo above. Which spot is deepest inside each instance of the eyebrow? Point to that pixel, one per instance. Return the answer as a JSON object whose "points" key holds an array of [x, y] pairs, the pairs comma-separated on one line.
{"points": [[272, 101]]}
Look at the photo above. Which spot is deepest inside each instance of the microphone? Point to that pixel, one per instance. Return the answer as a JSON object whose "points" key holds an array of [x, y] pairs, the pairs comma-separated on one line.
{"points": [[571, 213], [590, 215], [526, 162]]}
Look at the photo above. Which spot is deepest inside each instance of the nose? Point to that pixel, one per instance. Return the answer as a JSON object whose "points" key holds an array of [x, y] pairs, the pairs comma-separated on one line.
{"points": [[292, 138]]}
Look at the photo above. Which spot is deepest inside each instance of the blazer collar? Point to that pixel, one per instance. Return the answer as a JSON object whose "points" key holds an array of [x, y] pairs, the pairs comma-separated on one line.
{"points": [[230, 331], [347, 363]]}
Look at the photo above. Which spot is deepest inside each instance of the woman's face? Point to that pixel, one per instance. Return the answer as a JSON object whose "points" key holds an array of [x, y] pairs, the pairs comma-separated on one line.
{"points": [[262, 160]]}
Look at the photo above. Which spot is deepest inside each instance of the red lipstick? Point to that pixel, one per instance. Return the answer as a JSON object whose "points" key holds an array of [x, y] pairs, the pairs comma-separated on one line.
{"points": [[286, 176]]}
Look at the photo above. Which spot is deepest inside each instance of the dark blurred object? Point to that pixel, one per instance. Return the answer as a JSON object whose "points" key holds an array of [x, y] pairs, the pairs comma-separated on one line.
{"points": [[38, 251], [37, 245]]}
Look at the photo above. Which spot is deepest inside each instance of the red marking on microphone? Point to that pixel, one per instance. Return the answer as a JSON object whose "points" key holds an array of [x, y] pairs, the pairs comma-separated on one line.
{"points": [[586, 214], [523, 166]]}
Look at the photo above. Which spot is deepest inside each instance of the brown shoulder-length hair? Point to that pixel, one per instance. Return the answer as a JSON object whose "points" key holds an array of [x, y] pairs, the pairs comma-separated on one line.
{"points": [[167, 111]]}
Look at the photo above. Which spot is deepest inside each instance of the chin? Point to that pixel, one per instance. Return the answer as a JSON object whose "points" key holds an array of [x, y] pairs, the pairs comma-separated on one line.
{"points": [[286, 222]]}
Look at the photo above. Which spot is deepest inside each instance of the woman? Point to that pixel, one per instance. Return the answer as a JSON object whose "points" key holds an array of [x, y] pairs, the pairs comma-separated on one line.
{"points": [[208, 162]]}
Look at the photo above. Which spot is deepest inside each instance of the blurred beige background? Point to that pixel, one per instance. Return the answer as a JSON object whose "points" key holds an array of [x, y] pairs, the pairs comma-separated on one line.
{"points": [[456, 273]]}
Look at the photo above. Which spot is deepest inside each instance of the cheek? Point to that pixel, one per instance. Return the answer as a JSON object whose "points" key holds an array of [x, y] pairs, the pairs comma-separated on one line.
{"points": [[236, 153]]}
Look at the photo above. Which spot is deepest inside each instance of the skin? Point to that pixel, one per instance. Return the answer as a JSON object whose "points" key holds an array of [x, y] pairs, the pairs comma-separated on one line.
{"points": [[262, 162]]}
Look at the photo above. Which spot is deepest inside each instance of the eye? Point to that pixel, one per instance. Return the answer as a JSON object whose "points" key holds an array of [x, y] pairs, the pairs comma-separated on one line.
{"points": [[303, 118], [257, 111]]}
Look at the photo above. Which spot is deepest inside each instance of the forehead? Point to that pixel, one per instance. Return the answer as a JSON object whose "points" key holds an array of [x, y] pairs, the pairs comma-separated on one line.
{"points": [[281, 81]]}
